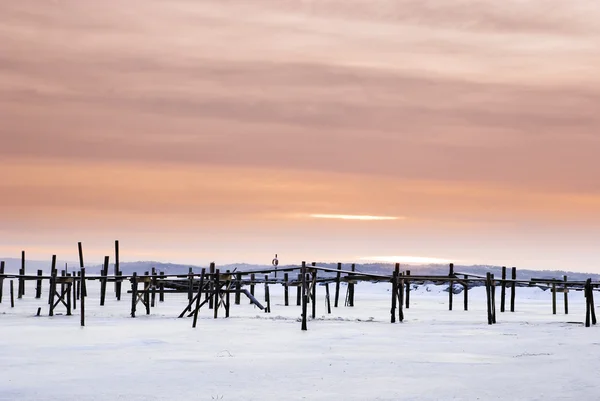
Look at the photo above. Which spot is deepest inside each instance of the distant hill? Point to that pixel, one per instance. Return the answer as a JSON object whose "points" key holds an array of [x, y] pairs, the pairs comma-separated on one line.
{"points": [[13, 265]]}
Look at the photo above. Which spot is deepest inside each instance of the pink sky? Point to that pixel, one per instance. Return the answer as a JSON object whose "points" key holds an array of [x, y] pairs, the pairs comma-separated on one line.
{"points": [[216, 130]]}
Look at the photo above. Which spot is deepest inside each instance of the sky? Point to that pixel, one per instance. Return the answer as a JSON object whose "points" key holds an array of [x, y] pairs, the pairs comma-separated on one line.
{"points": [[230, 131]]}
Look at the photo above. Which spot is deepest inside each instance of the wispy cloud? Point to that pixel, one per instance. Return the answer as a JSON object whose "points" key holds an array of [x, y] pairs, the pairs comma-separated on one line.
{"points": [[355, 217]]}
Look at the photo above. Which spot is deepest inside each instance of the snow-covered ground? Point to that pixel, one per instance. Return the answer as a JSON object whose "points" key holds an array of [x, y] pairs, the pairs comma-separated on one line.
{"points": [[352, 354]]}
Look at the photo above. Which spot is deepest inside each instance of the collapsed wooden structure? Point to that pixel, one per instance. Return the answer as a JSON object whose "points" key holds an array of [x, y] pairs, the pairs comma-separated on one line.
{"points": [[213, 288]]}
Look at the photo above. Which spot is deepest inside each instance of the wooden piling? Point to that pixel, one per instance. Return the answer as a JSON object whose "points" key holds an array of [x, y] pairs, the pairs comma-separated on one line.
{"points": [[161, 288], [488, 294], [591, 301], [587, 289], [299, 291], [286, 295], [104, 281], [466, 295], [198, 297], [304, 296], [190, 288], [153, 288], [134, 295], [553, 298], [52, 293], [451, 287], [238, 288], [394, 292], [337, 285], [82, 299], [503, 289], [400, 290], [314, 293], [80, 249], [228, 292], [117, 283], [216, 295], [1, 280], [351, 289], [407, 297], [267, 298], [211, 284], [78, 285], [21, 287], [513, 286], [252, 278], [493, 288], [327, 300], [146, 289], [566, 295], [38, 285], [266, 279], [74, 289], [12, 294]]}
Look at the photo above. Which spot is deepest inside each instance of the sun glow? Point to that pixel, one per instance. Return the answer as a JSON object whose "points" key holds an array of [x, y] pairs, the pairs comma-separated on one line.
{"points": [[354, 217], [405, 259]]}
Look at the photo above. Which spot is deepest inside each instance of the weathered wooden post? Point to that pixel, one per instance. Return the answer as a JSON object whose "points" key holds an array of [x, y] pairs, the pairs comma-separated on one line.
{"points": [[81, 266], [400, 290], [267, 297], [38, 285], [104, 281], [299, 291], [553, 289], [327, 300], [351, 288], [493, 288], [21, 280], [154, 283], [74, 289], [198, 297], [1, 280], [211, 285], [52, 293], [12, 294], [503, 289], [190, 288], [587, 289], [146, 294], [21, 287], [52, 273], [466, 294], [314, 293], [337, 285], [134, 295], [252, 278], [407, 297], [266, 281], [286, 295], [227, 291], [161, 287], [82, 298], [78, 285], [216, 293], [488, 290], [304, 296], [566, 295], [394, 292], [238, 288], [63, 274], [117, 289], [451, 287], [590, 302], [512, 288]]}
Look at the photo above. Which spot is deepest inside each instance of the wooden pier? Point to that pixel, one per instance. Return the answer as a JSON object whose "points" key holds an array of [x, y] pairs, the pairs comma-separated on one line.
{"points": [[213, 288]]}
